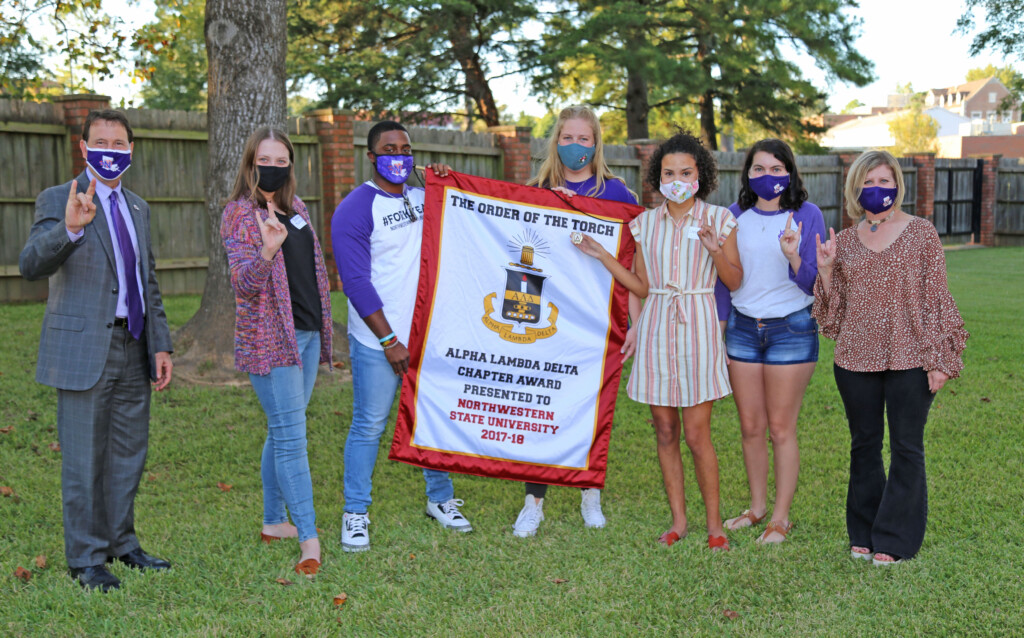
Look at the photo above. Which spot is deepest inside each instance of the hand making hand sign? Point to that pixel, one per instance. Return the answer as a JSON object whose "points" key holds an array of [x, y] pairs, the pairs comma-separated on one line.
{"points": [[790, 239], [273, 232], [709, 238], [80, 210]]}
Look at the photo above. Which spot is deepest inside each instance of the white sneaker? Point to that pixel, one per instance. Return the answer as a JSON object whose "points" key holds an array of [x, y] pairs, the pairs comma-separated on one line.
{"points": [[529, 517], [448, 515], [355, 537], [590, 507]]}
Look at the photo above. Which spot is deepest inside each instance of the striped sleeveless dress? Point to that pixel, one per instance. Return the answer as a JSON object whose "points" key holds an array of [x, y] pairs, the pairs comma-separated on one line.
{"points": [[680, 355]]}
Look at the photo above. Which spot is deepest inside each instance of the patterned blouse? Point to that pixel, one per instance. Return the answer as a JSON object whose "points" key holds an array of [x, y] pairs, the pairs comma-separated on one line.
{"points": [[891, 310], [264, 324]]}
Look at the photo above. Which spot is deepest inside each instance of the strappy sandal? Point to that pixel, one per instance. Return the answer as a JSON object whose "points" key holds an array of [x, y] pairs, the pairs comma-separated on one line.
{"points": [[670, 537], [777, 528], [747, 515], [718, 543]]}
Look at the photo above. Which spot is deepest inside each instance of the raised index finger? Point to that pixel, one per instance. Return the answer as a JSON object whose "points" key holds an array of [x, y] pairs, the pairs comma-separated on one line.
{"points": [[74, 190]]}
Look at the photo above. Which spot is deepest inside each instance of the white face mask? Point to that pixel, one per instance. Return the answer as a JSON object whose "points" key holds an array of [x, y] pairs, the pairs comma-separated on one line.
{"points": [[679, 192]]}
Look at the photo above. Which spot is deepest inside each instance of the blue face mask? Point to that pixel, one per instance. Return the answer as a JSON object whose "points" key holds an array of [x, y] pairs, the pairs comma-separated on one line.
{"points": [[768, 187], [575, 156], [108, 163], [876, 199], [395, 168]]}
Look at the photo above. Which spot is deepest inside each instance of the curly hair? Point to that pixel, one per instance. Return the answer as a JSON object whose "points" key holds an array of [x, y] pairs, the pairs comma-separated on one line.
{"points": [[683, 142], [794, 196]]}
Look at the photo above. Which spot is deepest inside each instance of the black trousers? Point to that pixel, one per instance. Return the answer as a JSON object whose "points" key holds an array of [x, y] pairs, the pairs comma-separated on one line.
{"points": [[537, 490], [886, 514]]}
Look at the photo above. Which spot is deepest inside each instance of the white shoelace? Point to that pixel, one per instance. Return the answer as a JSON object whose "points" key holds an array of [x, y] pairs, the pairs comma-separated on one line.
{"points": [[451, 507], [357, 525]]}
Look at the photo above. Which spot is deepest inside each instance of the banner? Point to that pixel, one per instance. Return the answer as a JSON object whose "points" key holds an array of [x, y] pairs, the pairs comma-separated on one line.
{"points": [[514, 351]]}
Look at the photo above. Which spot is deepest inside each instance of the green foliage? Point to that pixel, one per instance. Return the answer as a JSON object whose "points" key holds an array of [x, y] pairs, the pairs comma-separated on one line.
{"points": [[406, 57], [171, 56], [1011, 78], [419, 580], [1004, 28], [914, 131], [851, 106], [722, 56], [85, 37]]}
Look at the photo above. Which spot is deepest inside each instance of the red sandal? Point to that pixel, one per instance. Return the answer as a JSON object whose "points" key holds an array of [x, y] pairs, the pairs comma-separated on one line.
{"points": [[670, 537], [748, 515], [718, 543]]}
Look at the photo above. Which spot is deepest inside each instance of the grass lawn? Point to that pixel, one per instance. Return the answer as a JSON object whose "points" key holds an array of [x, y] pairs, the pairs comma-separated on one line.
{"points": [[419, 580]]}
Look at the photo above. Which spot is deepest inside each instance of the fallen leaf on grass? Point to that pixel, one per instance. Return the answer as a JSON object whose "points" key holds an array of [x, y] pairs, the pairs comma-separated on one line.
{"points": [[23, 574], [339, 413], [412, 556], [151, 477], [830, 407], [986, 400], [7, 429], [31, 416], [6, 491], [41, 561], [284, 581], [224, 487], [731, 614], [559, 581], [340, 599], [55, 447]]}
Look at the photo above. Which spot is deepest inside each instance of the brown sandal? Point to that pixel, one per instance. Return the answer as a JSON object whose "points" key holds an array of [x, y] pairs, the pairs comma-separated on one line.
{"points": [[747, 515], [777, 528]]}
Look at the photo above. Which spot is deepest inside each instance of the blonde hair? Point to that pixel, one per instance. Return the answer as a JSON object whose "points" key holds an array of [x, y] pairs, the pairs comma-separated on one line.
{"points": [[248, 177], [867, 162], [552, 171]]}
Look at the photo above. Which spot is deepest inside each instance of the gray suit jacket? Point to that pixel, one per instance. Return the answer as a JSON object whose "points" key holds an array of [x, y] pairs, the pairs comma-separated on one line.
{"points": [[77, 326]]}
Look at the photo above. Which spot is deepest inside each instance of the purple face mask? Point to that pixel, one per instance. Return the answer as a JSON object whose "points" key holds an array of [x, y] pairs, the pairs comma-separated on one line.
{"points": [[768, 187], [108, 163], [395, 168], [876, 199]]}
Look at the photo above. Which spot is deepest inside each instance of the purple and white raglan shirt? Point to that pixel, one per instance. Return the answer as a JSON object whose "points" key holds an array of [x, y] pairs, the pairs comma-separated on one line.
{"points": [[770, 289], [376, 237]]}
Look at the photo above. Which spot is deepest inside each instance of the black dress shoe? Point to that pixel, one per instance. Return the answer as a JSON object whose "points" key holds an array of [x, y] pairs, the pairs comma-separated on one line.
{"points": [[95, 577], [138, 559]]}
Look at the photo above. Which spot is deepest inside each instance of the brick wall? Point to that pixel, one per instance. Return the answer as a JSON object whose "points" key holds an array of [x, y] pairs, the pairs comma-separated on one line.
{"points": [[76, 109]]}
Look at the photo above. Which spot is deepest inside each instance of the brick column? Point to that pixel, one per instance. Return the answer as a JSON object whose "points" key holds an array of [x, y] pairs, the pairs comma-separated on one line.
{"points": [[515, 145], [847, 160], [337, 145], [925, 204], [76, 108], [649, 197], [989, 176]]}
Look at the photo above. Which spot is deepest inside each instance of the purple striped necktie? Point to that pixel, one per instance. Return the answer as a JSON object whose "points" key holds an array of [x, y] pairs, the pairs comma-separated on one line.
{"points": [[124, 242]]}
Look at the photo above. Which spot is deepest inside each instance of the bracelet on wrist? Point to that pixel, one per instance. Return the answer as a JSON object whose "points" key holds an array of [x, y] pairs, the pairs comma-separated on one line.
{"points": [[387, 338], [391, 344]]}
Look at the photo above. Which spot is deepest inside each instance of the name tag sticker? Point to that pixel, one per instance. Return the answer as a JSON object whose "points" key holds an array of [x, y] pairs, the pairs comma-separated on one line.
{"points": [[298, 222], [691, 232]]}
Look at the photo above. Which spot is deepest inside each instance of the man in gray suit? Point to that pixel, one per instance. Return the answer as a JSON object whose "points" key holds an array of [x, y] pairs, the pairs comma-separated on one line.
{"points": [[104, 337]]}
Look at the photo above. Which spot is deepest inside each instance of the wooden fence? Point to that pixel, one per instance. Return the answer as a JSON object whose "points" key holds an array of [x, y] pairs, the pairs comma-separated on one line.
{"points": [[1009, 215], [169, 171]]}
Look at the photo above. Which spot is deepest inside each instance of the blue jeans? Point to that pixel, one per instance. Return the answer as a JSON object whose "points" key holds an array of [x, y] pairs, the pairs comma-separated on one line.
{"points": [[374, 384], [284, 467]]}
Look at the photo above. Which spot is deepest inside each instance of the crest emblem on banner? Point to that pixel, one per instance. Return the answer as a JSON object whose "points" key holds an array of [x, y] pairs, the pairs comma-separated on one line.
{"points": [[522, 299]]}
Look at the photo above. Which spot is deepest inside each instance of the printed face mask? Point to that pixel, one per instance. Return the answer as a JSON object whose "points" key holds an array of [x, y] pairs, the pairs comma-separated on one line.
{"points": [[679, 192], [876, 199], [272, 177], [768, 187], [108, 163], [395, 168], [575, 156]]}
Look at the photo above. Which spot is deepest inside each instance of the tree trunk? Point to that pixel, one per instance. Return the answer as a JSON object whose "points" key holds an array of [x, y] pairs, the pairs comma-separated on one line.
{"points": [[708, 130], [637, 107], [246, 42], [477, 87]]}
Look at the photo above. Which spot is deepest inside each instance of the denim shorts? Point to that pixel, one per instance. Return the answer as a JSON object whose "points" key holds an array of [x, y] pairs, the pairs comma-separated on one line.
{"points": [[790, 339]]}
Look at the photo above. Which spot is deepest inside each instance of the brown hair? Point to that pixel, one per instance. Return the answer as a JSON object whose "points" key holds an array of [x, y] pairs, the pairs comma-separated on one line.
{"points": [[868, 161], [552, 171], [107, 115], [248, 175]]}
